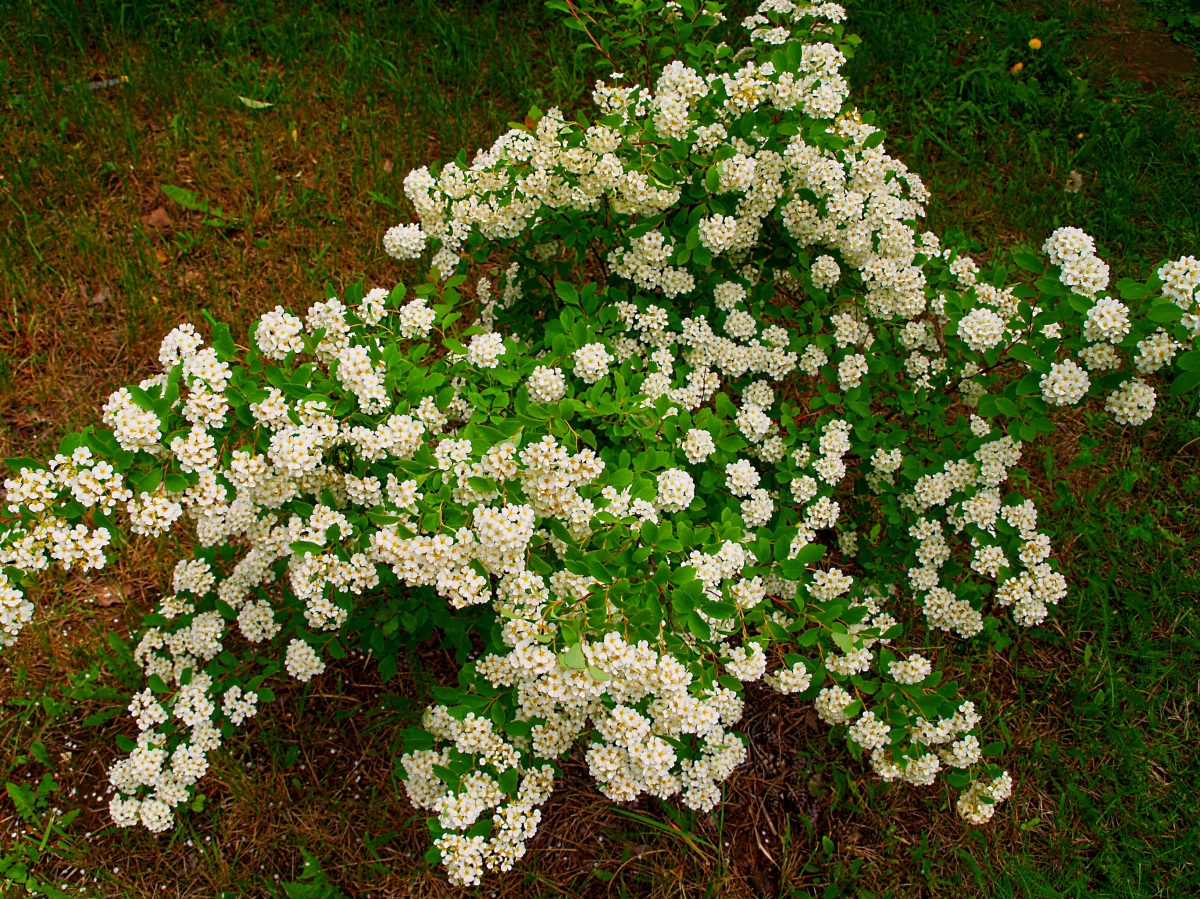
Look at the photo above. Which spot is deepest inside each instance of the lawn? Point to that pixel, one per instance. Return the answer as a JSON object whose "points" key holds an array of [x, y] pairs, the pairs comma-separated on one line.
{"points": [[162, 158]]}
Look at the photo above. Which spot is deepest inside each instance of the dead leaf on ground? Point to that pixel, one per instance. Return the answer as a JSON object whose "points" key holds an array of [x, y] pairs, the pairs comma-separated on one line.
{"points": [[158, 219], [106, 597]]}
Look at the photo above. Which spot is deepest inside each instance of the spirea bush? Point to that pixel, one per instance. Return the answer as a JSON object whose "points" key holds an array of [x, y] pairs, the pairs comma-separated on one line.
{"points": [[687, 401]]}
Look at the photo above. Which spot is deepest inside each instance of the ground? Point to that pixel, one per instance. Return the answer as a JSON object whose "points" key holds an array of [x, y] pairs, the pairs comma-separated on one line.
{"points": [[158, 160]]}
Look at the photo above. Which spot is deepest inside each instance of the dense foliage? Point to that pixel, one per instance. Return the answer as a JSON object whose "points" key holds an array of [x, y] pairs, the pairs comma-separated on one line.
{"points": [[687, 401]]}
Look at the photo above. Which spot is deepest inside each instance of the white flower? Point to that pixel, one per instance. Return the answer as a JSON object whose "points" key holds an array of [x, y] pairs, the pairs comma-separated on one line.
{"points": [[445, 262], [1132, 403], [741, 477], [302, 661], [718, 232], [851, 371], [1065, 384], [485, 350], [1107, 320], [831, 705], [912, 670], [1155, 351], [981, 329], [675, 490], [741, 324], [869, 732], [698, 445], [547, 385], [416, 319], [278, 333], [404, 241], [758, 508], [1181, 279], [591, 362], [825, 272]]}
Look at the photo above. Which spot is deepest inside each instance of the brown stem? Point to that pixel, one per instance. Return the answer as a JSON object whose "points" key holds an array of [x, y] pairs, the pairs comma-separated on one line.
{"points": [[574, 10]]}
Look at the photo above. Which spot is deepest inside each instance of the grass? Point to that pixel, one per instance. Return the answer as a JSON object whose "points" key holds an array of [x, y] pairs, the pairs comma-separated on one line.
{"points": [[111, 234]]}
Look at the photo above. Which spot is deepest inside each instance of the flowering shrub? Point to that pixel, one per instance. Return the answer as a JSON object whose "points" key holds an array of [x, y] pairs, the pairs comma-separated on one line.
{"points": [[720, 410]]}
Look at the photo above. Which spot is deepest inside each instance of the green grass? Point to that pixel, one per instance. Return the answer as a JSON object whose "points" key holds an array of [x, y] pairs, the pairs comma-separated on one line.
{"points": [[1099, 705], [999, 147]]}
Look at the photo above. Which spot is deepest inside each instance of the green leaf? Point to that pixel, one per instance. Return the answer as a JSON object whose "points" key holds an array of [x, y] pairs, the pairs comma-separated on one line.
{"points": [[222, 341], [844, 642], [183, 197], [663, 173], [482, 485], [810, 553], [254, 104], [149, 482], [16, 463], [1132, 290], [1185, 383], [1029, 261], [566, 292], [698, 626], [573, 658], [1052, 287], [509, 779], [23, 798], [1007, 407], [1024, 353], [1165, 311], [382, 519], [712, 178], [175, 483], [1189, 361]]}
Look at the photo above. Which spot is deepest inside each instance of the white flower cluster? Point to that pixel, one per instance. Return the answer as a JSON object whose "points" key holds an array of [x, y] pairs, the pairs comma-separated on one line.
{"points": [[45, 538], [134, 427], [982, 329], [547, 385], [1065, 384], [676, 490], [1132, 403], [404, 241], [514, 818], [1075, 254], [279, 333], [591, 362], [642, 703], [1181, 281], [153, 781]]}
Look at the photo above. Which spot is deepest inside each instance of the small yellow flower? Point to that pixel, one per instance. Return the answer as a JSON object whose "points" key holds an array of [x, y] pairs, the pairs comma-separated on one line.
{"points": [[1017, 67], [1035, 43]]}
